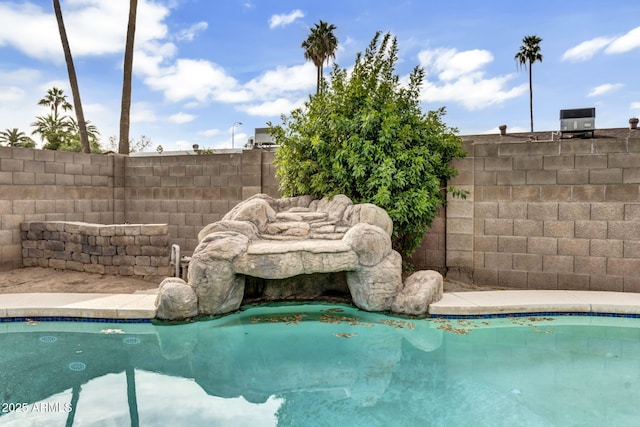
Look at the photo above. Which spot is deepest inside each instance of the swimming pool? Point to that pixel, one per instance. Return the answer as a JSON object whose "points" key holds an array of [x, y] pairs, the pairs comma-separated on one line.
{"points": [[315, 365]]}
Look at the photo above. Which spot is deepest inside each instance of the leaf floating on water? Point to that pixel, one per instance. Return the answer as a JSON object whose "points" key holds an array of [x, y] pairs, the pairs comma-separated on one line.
{"points": [[467, 323], [352, 321], [540, 319], [287, 320], [345, 335], [112, 331], [399, 324], [334, 310], [445, 325], [530, 322], [31, 322]]}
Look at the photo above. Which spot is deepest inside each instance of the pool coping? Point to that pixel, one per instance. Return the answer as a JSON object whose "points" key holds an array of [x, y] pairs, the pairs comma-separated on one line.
{"points": [[136, 306], [140, 306], [536, 301]]}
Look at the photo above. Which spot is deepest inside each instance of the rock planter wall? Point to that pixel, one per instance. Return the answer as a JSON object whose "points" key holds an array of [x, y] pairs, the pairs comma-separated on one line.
{"points": [[140, 250]]}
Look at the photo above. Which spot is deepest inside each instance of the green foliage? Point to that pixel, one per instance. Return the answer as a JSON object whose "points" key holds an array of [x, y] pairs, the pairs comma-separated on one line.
{"points": [[366, 137], [16, 138], [61, 132], [529, 52]]}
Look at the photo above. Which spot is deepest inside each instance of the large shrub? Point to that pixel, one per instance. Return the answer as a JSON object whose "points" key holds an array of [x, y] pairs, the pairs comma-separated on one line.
{"points": [[365, 136]]}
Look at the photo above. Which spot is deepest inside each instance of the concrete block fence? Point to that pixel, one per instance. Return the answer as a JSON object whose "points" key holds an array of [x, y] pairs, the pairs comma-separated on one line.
{"points": [[540, 213], [555, 214], [140, 250], [185, 192], [42, 185]]}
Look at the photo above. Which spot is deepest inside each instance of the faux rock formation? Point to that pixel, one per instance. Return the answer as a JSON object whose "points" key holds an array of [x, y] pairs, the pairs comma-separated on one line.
{"points": [[178, 300], [420, 289], [272, 238]]}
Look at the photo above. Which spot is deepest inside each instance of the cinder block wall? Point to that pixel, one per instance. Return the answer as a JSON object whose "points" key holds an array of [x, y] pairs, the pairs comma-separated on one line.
{"points": [[189, 192], [185, 192], [548, 215], [39, 185], [540, 215], [432, 253]]}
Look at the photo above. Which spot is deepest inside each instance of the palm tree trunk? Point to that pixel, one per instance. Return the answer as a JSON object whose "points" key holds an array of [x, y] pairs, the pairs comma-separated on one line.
{"points": [[125, 111], [318, 77], [73, 80], [531, 95]]}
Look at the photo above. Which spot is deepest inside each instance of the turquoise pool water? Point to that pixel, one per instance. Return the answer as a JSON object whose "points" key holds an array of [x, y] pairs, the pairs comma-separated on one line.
{"points": [[322, 365]]}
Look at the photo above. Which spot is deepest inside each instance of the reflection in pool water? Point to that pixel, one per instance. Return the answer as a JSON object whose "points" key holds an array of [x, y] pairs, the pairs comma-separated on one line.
{"points": [[315, 365]]}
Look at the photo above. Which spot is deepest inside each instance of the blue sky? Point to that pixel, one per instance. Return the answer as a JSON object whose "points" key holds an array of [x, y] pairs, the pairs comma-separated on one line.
{"points": [[200, 65]]}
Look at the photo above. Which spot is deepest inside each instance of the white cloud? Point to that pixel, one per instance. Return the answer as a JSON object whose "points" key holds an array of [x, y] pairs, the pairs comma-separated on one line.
{"points": [[460, 78], [449, 64], [473, 91], [610, 45], [586, 50], [13, 83], [142, 112], [93, 108], [285, 19], [625, 43], [61, 84], [180, 118], [94, 27], [29, 29], [210, 132], [188, 34], [635, 105], [283, 79], [11, 94], [272, 108], [198, 79], [605, 89], [20, 76]]}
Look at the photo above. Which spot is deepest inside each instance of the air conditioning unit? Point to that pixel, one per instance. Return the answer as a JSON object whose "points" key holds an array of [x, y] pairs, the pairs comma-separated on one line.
{"points": [[578, 120]]}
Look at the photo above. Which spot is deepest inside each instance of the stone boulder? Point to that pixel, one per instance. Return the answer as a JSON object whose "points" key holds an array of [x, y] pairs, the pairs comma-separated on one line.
{"points": [[211, 273], [374, 288], [176, 300], [371, 243], [420, 289]]}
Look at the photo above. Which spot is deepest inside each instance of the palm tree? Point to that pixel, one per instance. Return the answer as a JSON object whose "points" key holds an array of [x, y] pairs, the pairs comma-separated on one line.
{"points": [[125, 111], [16, 138], [528, 54], [73, 80], [56, 99], [92, 131], [55, 131], [320, 46], [72, 137]]}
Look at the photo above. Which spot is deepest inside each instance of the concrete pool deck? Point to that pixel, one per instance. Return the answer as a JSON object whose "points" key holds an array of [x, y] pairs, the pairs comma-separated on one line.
{"points": [[140, 305]]}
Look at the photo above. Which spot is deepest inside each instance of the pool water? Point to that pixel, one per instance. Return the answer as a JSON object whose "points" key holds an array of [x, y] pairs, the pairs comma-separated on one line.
{"points": [[323, 365]]}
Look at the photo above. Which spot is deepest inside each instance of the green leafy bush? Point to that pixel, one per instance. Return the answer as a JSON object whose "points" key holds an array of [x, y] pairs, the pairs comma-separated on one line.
{"points": [[365, 136]]}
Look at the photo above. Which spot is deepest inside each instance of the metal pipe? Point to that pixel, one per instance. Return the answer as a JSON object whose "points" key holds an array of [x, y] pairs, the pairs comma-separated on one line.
{"points": [[175, 259]]}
